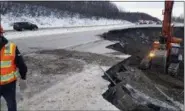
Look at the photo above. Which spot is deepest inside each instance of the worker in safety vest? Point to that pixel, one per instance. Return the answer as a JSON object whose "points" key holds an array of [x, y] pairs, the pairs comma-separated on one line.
{"points": [[11, 60]]}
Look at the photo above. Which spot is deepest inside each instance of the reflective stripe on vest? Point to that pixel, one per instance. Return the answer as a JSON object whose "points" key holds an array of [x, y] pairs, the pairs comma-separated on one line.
{"points": [[5, 64], [8, 71], [7, 48], [7, 77]]}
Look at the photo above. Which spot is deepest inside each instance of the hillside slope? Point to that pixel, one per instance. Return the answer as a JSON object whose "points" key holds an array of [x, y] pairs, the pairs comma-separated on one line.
{"points": [[88, 9], [71, 13]]}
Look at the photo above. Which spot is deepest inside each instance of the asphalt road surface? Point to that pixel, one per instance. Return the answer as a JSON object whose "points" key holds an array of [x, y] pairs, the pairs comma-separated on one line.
{"points": [[78, 85]]}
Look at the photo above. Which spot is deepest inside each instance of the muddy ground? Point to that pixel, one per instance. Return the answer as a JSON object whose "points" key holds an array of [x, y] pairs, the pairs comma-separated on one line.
{"points": [[149, 82]]}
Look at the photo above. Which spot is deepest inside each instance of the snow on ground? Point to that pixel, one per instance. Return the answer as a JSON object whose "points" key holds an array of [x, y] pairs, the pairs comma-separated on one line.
{"points": [[53, 21], [81, 91]]}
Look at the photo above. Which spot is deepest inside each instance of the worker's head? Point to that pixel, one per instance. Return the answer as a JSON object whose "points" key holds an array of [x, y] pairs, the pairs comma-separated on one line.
{"points": [[1, 31]]}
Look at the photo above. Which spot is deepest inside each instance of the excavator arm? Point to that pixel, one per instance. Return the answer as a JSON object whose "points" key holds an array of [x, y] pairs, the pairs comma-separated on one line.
{"points": [[167, 12], [165, 52], [166, 28]]}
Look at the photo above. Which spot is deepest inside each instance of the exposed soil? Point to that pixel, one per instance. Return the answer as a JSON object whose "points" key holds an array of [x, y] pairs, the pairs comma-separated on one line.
{"points": [[137, 43]]}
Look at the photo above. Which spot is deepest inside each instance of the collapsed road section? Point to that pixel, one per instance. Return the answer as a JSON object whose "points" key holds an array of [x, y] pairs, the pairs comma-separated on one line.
{"points": [[132, 89], [65, 80]]}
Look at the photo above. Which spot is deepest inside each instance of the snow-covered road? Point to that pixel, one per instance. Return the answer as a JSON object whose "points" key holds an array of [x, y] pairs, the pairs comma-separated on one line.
{"points": [[56, 39], [80, 91], [56, 31], [62, 38]]}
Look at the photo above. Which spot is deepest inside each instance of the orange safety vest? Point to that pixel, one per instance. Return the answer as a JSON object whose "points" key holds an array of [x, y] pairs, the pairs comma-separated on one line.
{"points": [[8, 72]]}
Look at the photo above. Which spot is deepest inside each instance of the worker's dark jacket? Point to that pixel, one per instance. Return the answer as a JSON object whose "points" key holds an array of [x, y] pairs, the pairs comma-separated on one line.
{"points": [[18, 60]]}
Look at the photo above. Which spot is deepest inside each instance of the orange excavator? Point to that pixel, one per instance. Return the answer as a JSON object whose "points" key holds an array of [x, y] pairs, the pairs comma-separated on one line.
{"points": [[165, 52]]}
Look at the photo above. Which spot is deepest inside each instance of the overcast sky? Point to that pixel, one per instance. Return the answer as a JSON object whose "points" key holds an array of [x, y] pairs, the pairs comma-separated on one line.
{"points": [[152, 8]]}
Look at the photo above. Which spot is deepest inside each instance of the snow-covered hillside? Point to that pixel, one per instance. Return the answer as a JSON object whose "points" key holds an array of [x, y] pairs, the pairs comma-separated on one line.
{"points": [[52, 21], [46, 17]]}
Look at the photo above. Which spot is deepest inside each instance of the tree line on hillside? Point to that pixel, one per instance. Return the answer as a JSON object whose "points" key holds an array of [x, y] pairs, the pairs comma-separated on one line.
{"points": [[86, 9], [179, 19]]}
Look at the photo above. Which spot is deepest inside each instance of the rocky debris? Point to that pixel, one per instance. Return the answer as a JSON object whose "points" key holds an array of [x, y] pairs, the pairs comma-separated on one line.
{"points": [[143, 92], [131, 99], [138, 90]]}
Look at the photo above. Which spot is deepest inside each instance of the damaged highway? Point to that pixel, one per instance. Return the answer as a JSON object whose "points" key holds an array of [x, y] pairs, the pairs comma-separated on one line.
{"points": [[133, 89]]}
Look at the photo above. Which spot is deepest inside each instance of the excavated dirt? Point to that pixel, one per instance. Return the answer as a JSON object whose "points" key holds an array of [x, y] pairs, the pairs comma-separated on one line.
{"points": [[137, 43]]}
